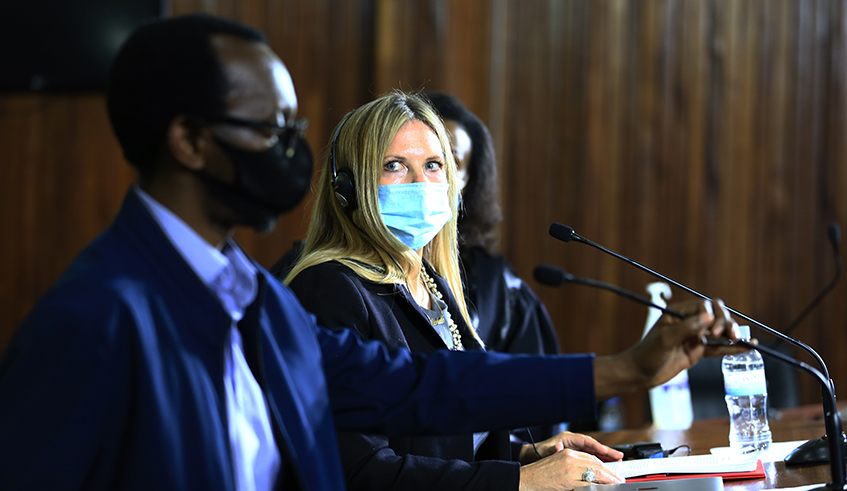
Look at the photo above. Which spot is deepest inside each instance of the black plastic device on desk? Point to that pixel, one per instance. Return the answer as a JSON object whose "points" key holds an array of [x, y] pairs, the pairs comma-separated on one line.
{"points": [[642, 450]]}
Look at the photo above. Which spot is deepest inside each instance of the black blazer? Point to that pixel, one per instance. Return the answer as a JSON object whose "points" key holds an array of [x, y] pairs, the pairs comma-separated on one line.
{"points": [[341, 298], [508, 315]]}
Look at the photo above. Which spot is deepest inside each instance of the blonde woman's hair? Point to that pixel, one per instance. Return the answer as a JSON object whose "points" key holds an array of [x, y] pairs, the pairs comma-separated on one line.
{"points": [[359, 239]]}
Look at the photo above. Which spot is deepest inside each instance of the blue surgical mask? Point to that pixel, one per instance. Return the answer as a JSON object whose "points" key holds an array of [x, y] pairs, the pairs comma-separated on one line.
{"points": [[415, 212]]}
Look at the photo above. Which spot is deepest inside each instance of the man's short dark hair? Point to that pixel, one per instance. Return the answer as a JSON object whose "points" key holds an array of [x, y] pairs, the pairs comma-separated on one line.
{"points": [[165, 69]]}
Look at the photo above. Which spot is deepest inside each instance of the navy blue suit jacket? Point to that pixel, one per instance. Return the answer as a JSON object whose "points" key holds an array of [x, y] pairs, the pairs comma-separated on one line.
{"points": [[115, 380]]}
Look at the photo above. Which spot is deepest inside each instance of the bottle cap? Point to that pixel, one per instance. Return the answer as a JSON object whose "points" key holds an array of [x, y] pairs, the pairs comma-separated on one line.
{"points": [[744, 332]]}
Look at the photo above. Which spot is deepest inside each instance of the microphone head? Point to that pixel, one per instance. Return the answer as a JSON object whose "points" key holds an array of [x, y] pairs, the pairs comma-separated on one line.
{"points": [[834, 234], [550, 275], [561, 232]]}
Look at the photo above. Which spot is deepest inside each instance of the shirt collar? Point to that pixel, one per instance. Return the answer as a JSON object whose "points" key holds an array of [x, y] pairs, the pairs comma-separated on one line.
{"points": [[206, 261]]}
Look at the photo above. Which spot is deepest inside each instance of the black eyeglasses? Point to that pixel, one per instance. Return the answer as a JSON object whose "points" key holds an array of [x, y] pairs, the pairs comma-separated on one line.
{"points": [[288, 134]]}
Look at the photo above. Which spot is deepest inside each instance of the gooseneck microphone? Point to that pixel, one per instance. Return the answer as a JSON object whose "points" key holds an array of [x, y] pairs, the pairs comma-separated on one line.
{"points": [[550, 275], [834, 233], [814, 451], [553, 276], [567, 234]]}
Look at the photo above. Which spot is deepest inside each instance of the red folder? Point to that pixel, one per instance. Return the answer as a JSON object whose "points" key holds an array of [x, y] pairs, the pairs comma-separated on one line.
{"points": [[758, 473]]}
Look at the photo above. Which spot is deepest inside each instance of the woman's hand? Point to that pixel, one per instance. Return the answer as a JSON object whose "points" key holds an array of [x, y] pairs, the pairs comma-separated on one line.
{"points": [[563, 470], [572, 441]]}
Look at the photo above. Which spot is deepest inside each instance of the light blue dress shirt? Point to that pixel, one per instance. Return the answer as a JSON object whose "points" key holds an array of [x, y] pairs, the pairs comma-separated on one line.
{"points": [[232, 278]]}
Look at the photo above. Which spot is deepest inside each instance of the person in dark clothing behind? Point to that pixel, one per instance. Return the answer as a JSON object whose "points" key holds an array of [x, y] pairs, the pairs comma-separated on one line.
{"points": [[506, 313], [381, 257]]}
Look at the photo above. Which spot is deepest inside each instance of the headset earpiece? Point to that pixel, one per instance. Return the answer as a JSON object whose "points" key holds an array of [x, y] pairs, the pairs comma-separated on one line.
{"points": [[342, 180], [345, 189]]}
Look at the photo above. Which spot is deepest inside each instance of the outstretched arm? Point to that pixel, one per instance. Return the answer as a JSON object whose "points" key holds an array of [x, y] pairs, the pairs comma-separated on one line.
{"points": [[395, 392], [672, 345]]}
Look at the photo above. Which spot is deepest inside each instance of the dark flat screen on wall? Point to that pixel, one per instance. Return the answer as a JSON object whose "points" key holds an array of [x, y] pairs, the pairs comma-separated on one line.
{"points": [[66, 44]]}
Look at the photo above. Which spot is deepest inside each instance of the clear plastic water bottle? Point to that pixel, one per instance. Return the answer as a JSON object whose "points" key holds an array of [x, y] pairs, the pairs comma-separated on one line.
{"points": [[746, 399]]}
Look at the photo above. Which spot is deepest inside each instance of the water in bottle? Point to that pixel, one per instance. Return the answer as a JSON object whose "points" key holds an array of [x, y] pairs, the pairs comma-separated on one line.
{"points": [[746, 399]]}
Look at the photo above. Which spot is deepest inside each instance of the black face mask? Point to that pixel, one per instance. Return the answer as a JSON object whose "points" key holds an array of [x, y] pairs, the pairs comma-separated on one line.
{"points": [[267, 183]]}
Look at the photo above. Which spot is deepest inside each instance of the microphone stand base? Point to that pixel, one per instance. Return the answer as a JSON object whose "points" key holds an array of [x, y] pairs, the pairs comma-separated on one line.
{"points": [[813, 452], [830, 487]]}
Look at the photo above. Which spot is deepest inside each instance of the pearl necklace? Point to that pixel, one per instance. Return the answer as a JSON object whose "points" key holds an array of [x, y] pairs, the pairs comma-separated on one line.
{"points": [[454, 329]]}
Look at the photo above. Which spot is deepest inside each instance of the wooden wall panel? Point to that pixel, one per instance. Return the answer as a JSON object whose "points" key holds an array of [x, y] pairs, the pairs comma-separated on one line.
{"points": [[435, 45], [63, 179], [704, 139]]}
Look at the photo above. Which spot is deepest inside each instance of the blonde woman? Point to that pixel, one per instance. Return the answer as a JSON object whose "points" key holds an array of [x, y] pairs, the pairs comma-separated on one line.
{"points": [[381, 257], [391, 248]]}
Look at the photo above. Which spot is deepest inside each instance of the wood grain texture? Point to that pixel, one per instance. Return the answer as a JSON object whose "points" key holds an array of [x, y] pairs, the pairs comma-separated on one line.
{"points": [[706, 138], [703, 138]]}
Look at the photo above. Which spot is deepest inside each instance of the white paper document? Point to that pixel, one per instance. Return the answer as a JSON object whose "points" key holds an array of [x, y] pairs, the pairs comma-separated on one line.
{"points": [[776, 452], [693, 464]]}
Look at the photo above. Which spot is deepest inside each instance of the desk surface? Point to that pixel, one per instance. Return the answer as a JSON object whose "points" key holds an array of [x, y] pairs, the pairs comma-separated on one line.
{"points": [[704, 436]]}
